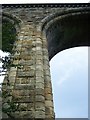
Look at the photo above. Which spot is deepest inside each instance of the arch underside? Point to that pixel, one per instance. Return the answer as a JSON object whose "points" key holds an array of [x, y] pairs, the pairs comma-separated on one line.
{"points": [[68, 32]]}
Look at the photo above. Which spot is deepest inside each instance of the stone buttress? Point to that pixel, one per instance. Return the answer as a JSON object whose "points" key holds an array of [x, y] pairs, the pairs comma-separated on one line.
{"points": [[30, 90]]}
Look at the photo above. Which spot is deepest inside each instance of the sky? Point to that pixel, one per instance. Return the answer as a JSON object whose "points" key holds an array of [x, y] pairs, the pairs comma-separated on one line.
{"points": [[69, 73]]}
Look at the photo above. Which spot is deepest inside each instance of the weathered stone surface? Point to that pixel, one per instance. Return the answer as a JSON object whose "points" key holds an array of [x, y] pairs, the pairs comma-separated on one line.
{"points": [[24, 99], [49, 103], [39, 91], [39, 85], [37, 42], [39, 114], [40, 80], [23, 92], [23, 114], [27, 73], [24, 86], [40, 106], [12, 79], [22, 106], [39, 98], [30, 106]]}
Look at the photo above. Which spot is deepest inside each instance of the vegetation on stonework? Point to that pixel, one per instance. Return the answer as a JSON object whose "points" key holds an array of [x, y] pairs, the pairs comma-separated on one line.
{"points": [[8, 36], [9, 106], [8, 39]]}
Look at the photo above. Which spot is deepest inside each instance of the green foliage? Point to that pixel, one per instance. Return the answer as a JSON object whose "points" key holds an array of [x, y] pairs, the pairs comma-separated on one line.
{"points": [[8, 39], [8, 36], [6, 62], [8, 106]]}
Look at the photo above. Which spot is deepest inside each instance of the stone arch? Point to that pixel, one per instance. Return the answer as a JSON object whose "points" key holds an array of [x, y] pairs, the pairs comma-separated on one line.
{"points": [[13, 23], [13, 19], [67, 29], [32, 54]]}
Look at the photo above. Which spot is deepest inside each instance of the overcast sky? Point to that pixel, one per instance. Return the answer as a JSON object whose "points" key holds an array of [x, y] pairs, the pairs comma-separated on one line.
{"points": [[69, 72]]}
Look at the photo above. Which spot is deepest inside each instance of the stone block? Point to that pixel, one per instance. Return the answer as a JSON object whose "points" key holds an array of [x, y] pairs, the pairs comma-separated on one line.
{"points": [[12, 79], [39, 61], [28, 80], [48, 97], [45, 51], [48, 84], [13, 68], [39, 106], [16, 93], [24, 87], [24, 81], [45, 44], [24, 74], [12, 73], [39, 67], [27, 114], [34, 49], [49, 103], [39, 52], [23, 114], [40, 80], [39, 98], [39, 73], [46, 62], [26, 38], [47, 72], [20, 37], [27, 63], [39, 57], [23, 92], [15, 62], [23, 106], [18, 80], [49, 111], [39, 41], [31, 106], [24, 99], [39, 48], [39, 91], [39, 85], [47, 78], [39, 114], [26, 57], [48, 90], [46, 67]]}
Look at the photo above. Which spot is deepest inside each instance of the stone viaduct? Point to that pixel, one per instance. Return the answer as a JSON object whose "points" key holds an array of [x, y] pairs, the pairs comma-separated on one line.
{"points": [[43, 30]]}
